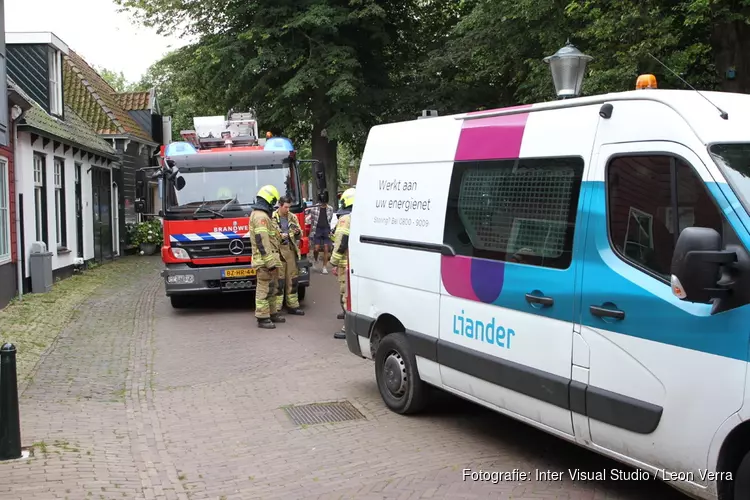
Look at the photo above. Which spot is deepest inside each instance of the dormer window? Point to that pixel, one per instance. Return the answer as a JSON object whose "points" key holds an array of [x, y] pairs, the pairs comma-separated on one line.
{"points": [[55, 82]]}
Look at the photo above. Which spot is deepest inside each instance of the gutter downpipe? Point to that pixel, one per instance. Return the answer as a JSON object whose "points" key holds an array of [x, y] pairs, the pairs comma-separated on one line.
{"points": [[17, 183]]}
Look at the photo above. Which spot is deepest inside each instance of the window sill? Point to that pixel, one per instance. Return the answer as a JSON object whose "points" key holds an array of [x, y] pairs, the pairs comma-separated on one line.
{"points": [[63, 251]]}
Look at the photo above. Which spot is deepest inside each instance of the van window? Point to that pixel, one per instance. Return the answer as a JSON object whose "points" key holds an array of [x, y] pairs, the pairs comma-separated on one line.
{"points": [[520, 211], [643, 227]]}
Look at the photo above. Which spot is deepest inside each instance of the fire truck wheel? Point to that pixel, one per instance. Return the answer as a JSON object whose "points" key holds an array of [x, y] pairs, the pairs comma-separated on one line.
{"points": [[179, 301], [301, 293]]}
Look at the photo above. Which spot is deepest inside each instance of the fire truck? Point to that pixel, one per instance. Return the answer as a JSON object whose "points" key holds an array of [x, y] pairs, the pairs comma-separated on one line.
{"points": [[208, 184]]}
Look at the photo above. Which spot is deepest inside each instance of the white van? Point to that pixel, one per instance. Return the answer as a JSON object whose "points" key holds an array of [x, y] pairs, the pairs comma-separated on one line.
{"points": [[580, 265]]}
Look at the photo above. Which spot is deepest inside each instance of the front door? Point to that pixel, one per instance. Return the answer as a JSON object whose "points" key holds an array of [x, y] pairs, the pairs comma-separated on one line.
{"points": [[101, 190], [79, 212], [507, 304], [664, 374]]}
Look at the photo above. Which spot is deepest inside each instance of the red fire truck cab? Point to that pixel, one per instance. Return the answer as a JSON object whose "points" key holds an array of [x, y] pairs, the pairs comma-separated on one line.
{"points": [[208, 186]]}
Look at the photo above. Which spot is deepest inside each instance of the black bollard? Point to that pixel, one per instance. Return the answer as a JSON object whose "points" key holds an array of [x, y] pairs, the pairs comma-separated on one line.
{"points": [[10, 421]]}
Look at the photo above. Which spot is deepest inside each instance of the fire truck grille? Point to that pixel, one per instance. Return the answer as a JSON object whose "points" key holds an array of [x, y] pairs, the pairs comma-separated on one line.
{"points": [[213, 249]]}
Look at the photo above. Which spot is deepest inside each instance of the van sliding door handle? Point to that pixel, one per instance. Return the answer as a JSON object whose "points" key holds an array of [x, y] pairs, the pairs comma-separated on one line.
{"points": [[604, 312], [541, 300]]}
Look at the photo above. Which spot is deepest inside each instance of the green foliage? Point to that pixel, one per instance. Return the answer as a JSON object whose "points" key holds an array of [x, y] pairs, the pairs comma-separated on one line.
{"points": [[118, 80], [323, 72], [147, 232]]}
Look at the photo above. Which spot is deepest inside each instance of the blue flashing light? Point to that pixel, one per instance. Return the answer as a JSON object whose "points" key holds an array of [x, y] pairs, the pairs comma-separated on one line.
{"points": [[179, 148], [278, 144]]}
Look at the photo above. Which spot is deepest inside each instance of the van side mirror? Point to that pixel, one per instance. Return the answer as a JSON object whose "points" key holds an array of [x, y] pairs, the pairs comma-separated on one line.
{"points": [[705, 272], [140, 184], [320, 176]]}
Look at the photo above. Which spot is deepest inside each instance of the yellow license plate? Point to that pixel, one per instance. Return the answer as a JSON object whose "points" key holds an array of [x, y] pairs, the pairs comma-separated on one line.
{"points": [[237, 273]]}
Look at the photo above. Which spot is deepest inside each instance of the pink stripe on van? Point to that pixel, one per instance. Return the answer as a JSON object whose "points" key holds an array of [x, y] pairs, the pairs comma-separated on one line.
{"points": [[495, 137]]}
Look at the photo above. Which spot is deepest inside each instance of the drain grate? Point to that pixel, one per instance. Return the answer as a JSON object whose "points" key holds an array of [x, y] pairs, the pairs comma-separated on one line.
{"points": [[321, 413]]}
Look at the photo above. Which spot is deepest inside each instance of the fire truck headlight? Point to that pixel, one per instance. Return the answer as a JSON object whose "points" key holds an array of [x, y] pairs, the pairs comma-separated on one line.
{"points": [[180, 253]]}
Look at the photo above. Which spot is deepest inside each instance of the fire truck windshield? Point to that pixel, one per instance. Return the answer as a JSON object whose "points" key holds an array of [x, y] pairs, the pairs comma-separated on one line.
{"points": [[221, 190]]}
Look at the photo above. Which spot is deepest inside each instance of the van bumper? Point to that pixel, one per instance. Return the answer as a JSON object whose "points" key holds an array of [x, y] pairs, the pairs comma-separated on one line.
{"points": [[357, 326]]}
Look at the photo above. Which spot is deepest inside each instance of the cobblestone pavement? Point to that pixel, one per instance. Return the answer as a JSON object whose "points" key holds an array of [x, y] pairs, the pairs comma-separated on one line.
{"points": [[139, 401]]}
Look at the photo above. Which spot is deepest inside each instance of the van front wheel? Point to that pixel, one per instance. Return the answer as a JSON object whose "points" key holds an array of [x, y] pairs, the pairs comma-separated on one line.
{"points": [[742, 479], [396, 373]]}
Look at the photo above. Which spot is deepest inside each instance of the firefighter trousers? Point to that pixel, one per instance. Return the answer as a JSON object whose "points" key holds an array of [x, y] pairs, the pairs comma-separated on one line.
{"points": [[341, 271], [288, 279], [265, 293]]}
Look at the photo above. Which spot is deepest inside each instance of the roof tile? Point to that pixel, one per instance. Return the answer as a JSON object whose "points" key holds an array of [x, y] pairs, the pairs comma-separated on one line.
{"points": [[74, 129], [96, 101], [132, 101]]}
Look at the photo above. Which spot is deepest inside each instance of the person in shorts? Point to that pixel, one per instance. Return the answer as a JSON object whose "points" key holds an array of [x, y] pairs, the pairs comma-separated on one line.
{"points": [[320, 228]]}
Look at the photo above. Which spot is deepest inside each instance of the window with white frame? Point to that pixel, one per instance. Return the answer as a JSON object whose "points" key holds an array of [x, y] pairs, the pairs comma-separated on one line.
{"points": [[55, 83], [40, 199], [59, 178], [4, 211]]}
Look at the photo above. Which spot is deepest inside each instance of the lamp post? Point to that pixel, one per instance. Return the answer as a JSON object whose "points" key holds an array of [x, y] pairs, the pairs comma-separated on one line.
{"points": [[568, 67]]}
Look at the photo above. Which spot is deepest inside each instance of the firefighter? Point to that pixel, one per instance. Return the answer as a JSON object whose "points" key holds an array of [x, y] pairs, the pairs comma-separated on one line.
{"points": [[266, 259], [341, 251], [291, 234]]}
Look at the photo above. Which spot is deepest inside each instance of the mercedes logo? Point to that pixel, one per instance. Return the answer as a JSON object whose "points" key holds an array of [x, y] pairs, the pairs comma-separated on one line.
{"points": [[236, 247]]}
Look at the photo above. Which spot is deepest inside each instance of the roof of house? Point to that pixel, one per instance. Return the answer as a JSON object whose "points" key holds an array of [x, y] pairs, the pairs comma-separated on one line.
{"points": [[96, 101], [132, 101], [73, 129]]}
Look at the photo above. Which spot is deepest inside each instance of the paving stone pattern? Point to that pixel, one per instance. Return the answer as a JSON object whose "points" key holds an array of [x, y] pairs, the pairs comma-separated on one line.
{"points": [[138, 401]]}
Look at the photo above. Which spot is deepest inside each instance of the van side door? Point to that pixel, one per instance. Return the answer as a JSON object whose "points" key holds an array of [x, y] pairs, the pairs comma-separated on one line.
{"points": [[507, 297], [664, 374]]}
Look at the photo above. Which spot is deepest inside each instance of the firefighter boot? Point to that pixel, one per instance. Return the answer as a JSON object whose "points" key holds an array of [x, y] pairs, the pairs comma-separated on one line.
{"points": [[276, 318], [295, 311], [340, 335], [266, 323], [340, 315]]}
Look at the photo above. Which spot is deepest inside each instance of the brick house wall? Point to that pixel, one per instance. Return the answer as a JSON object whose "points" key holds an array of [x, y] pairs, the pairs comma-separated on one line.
{"points": [[7, 153], [8, 282]]}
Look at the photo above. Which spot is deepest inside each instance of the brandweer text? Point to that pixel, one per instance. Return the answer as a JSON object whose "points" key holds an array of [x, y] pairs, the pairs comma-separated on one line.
{"points": [[479, 330]]}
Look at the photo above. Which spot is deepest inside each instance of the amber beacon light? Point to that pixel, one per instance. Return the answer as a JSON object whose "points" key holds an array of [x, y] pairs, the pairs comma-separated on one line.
{"points": [[645, 82]]}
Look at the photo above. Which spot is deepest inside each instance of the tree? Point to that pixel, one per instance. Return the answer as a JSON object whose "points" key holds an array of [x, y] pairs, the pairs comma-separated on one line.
{"points": [[311, 68], [179, 96], [495, 50], [118, 81]]}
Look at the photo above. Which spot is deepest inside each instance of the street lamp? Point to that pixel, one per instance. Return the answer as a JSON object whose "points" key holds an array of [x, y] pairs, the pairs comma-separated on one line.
{"points": [[568, 66]]}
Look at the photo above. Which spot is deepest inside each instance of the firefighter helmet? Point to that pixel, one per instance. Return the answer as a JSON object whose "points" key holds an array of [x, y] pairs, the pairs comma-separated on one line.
{"points": [[347, 198], [269, 193]]}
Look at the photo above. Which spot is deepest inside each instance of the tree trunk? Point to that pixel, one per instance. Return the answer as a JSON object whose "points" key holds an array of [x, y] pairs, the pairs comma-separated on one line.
{"points": [[731, 46], [325, 151]]}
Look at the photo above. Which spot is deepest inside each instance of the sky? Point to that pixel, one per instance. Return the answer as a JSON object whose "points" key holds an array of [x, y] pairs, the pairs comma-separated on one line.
{"points": [[95, 30]]}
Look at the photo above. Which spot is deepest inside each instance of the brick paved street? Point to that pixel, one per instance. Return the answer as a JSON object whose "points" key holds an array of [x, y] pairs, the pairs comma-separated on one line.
{"points": [[139, 401]]}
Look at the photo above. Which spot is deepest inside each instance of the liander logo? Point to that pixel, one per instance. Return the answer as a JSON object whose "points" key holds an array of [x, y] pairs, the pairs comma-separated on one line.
{"points": [[489, 332]]}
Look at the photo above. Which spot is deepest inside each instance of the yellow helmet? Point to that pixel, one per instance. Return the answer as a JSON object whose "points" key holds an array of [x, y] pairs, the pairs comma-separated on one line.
{"points": [[269, 193], [347, 198]]}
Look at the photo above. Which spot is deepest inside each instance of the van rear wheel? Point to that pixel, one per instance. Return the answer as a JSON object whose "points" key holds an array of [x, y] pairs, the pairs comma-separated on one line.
{"points": [[396, 373], [742, 479]]}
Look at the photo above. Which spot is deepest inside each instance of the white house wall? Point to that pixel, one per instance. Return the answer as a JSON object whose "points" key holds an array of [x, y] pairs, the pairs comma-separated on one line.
{"points": [[25, 170]]}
